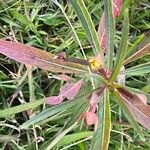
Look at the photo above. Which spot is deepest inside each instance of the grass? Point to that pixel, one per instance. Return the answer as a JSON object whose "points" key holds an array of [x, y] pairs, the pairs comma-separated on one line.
{"points": [[42, 24]]}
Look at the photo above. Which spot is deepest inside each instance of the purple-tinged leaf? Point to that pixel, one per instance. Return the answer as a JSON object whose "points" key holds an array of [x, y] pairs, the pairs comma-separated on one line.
{"points": [[70, 90], [90, 118], [143, 98], [95, 98], [139, 110], [116, 7], [34, 56], [54, 100], [94, 101], [139, 54], [101, 28]]}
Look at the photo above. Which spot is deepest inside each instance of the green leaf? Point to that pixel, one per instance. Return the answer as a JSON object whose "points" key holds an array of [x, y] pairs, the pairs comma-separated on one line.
{"points": [[87, 23], [127, 113], [123, 47], [17, 109], [69, 139], [102, 135], [74, 137], [58, 108], [137, 70], [10, 22], [22, 19], [60, 136], [126, 4], [135, 44], [51, 19], [78, 109], [109, 21], [48, 113]]}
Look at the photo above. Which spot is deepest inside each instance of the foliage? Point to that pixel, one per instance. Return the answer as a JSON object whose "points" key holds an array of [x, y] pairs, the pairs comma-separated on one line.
{"points": [[91, 74]]}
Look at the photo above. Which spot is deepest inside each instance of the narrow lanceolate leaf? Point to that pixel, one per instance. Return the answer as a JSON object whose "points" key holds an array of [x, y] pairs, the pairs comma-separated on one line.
{"points": [[70, 90], [134, 46], [34, 56], [123, 47], [54, 100], [109, 23], [137, 70], [121, 101], [102, 28], [139, 54], [21, 18], [102, 135], [78, 109], [48, 113], [17, 109], [136, 105], [71, 138], [60, 136], [87, 23]]}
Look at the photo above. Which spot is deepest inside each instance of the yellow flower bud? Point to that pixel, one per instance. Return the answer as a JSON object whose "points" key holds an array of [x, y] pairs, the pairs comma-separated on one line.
{"points": [[94, 64]]}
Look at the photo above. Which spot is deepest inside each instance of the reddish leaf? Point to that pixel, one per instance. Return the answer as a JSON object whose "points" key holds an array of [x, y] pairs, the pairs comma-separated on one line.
{"points": [[34, 56], [140, 111], [66, 91], [116, 7], [54, 100], [142, 97], [94, 99], [102, 32], [70, 90], [139, 54], [101, 28], [90, 118]]}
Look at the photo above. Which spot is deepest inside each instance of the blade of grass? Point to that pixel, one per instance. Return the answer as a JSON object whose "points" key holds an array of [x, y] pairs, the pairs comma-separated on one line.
{"points": [[6, 8], [102, 136], [17, 109], [60, 136], [123, 47], [22, 19], [109, 22]]}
